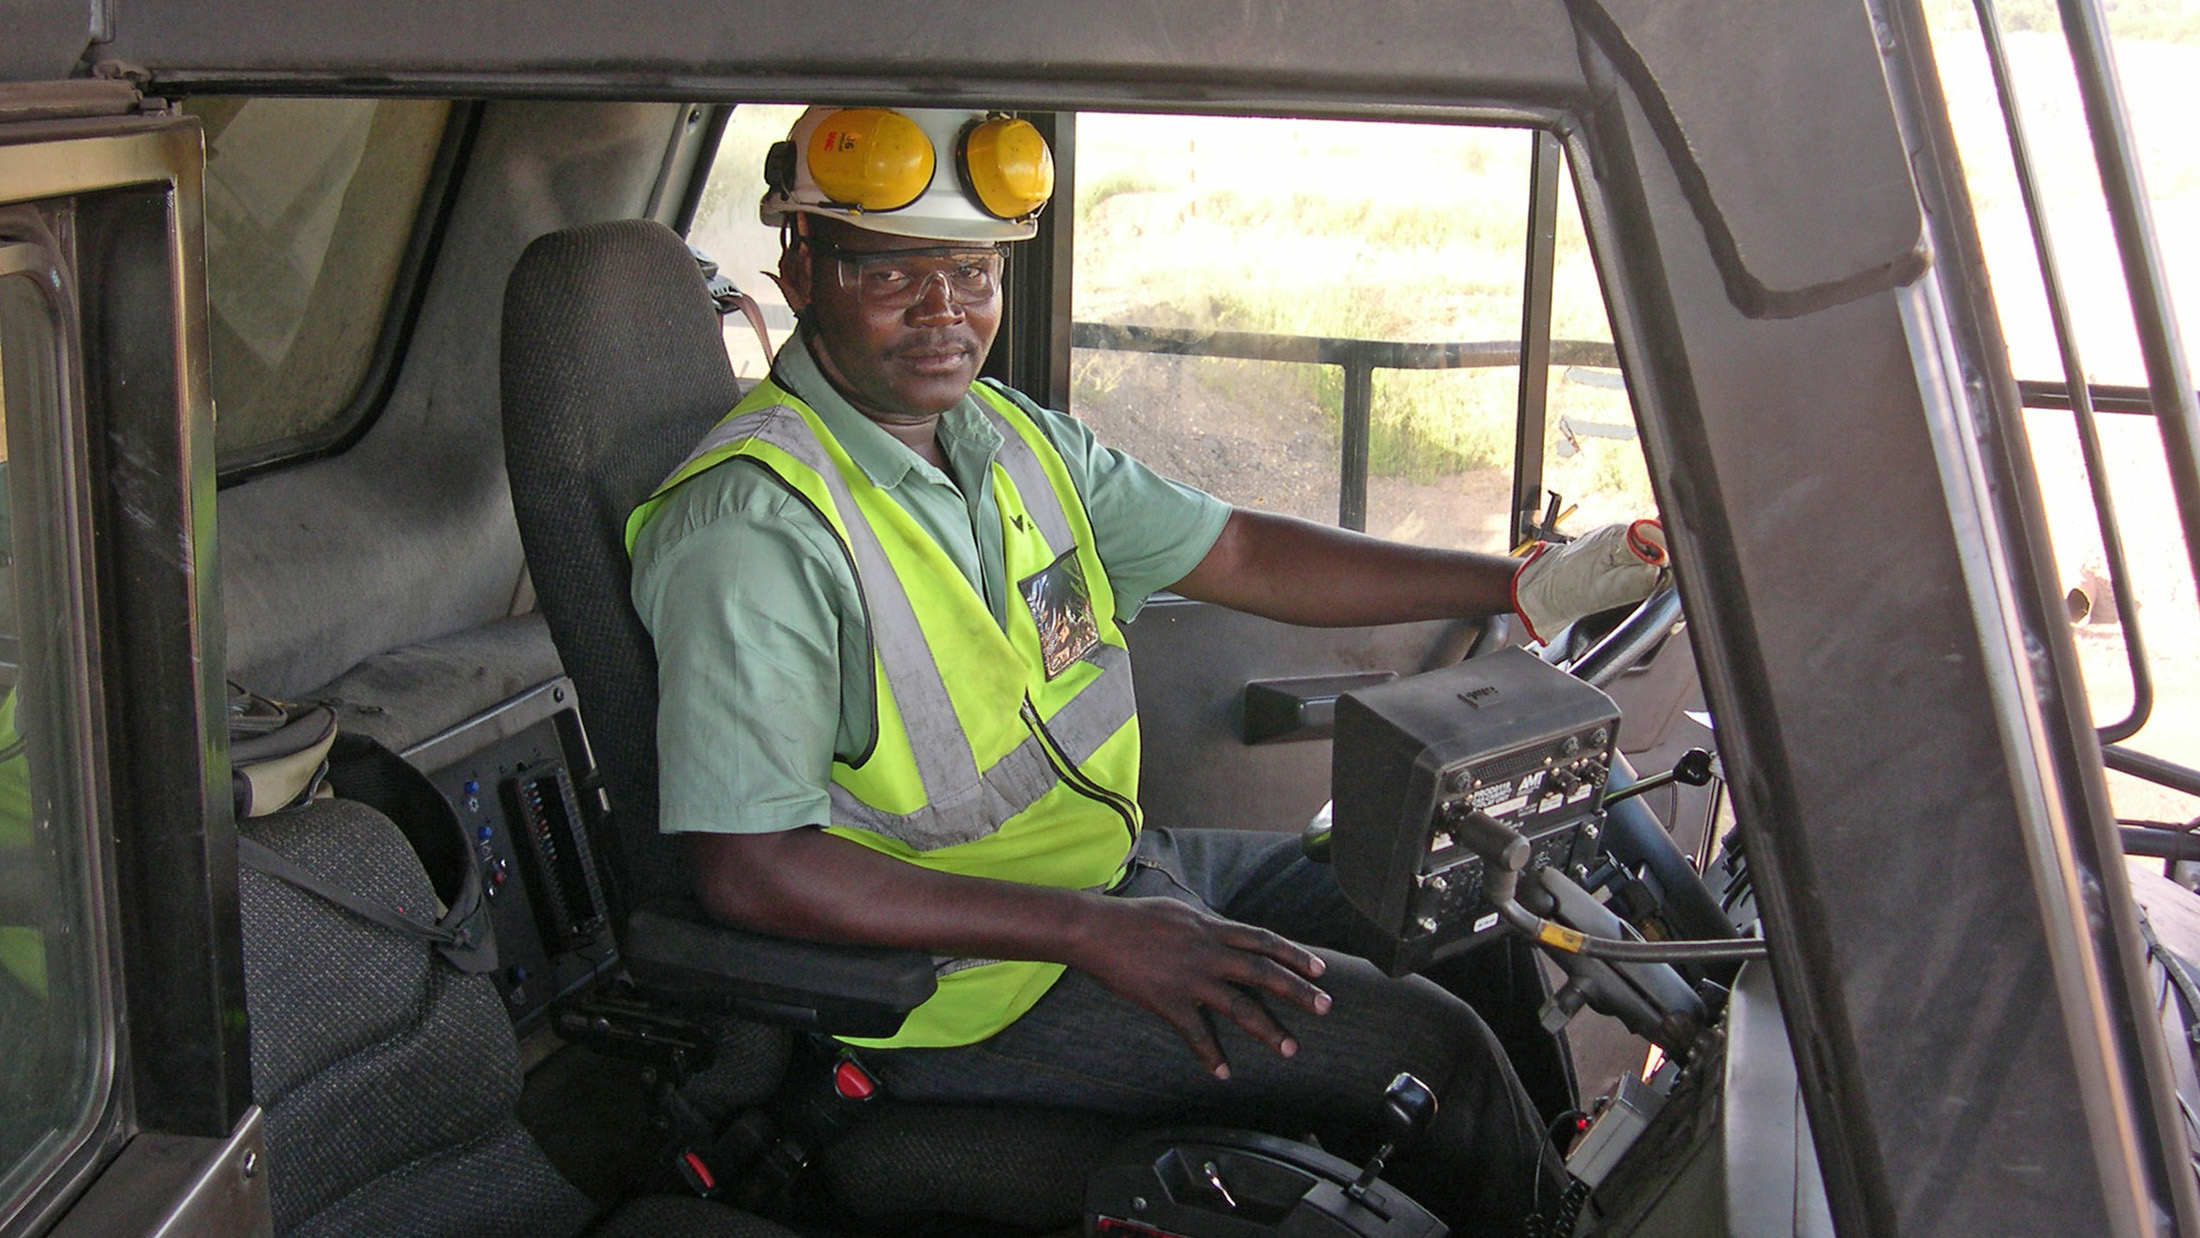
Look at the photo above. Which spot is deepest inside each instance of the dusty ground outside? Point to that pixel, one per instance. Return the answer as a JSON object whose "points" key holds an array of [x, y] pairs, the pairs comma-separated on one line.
{"points": [[1255, 436]]}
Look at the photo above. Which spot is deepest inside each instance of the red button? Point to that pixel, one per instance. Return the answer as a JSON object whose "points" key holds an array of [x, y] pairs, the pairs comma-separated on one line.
{"points": [[698, 1173], [850, 1081]]}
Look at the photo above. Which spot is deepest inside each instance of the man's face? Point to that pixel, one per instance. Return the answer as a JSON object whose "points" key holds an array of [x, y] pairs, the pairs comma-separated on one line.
{"points": [[897, 364]]}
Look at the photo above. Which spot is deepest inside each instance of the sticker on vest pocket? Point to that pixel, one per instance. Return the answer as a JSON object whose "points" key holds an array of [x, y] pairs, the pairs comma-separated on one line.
{"points": [[1061, 604]]}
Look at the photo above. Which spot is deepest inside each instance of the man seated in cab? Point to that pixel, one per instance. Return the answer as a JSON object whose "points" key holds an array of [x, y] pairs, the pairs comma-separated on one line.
{"points": [[896, 702]]}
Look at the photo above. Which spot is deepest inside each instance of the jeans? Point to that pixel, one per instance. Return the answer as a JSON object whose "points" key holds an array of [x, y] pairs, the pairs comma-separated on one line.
{"points": [[1483, 1165]]}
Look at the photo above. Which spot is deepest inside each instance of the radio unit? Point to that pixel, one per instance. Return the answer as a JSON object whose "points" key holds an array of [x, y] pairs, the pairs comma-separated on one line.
{"points": [[1507, 735]]}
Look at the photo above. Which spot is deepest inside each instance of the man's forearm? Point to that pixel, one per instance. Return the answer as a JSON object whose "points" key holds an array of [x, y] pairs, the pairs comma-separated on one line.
{"points": [[1296, 571], [808, 884]]}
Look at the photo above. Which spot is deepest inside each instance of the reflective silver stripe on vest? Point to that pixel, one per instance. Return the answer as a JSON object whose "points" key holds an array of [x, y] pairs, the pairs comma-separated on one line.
{"points": [[1017, 780], [943, 965], [945, 766], [1031, 481], [960, 805]]}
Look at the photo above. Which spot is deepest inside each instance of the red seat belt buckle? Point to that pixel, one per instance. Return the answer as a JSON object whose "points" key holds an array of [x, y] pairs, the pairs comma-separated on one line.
{"points": [[852, 1082]]}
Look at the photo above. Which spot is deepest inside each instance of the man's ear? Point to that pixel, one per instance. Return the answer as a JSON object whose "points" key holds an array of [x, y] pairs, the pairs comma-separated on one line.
{"points": [[796, 301], [794, 277]]}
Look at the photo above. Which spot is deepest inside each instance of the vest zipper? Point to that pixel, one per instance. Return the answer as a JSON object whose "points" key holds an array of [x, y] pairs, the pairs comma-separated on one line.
{"points": [[1076, 778]]}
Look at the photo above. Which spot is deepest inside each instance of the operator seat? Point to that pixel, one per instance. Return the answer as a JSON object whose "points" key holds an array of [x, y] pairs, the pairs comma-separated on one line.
{"points": [[613, 369]]}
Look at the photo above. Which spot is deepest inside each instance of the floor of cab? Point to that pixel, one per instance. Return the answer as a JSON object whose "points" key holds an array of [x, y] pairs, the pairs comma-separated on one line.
{"points": [[591, 1114]]}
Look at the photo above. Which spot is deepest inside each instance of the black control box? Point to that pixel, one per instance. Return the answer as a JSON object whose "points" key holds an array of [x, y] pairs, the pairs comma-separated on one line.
{"points": [[513, 776], [1508, 735]]}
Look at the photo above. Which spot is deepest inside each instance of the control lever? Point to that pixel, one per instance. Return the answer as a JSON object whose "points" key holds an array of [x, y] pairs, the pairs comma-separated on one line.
{"points": [[1408, 1107], [1650, 998], [1694, 768], [1505, 853]]}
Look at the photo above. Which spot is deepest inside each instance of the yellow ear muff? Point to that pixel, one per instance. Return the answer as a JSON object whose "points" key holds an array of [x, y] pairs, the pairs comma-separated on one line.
{"points": [[1006, 166], [871, 158]]}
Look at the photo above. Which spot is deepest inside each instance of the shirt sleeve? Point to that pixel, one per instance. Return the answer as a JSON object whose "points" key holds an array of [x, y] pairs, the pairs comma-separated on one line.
{"points": [[737, 583], [1151, 531]]}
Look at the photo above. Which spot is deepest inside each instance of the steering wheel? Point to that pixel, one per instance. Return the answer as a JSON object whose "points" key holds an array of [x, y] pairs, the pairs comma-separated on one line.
{"points": [[1607, 656], [1651, 621]]}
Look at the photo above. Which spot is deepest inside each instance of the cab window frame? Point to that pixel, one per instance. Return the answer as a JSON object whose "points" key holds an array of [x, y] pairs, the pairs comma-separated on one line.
{"points": [[57, 554], [408, 293], [138, 770]]}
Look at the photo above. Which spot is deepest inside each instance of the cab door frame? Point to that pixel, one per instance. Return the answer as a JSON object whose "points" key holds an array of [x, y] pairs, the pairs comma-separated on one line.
{"points": [[113, 183]]}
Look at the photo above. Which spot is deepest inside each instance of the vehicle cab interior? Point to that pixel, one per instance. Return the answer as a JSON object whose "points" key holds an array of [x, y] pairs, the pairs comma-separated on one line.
{"points": [[331, 895]]}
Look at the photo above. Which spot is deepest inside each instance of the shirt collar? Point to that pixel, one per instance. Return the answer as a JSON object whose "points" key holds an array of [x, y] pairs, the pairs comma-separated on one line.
{"points": [[967, 435]]}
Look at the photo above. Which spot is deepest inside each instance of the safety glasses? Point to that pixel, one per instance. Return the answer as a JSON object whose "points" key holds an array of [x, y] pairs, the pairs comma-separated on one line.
{"points": [[898, 278]]}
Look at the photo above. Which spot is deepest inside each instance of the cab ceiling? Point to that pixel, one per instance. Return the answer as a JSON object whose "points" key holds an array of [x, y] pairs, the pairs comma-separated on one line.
{"points": [[1742, 93], [1045, 52]]}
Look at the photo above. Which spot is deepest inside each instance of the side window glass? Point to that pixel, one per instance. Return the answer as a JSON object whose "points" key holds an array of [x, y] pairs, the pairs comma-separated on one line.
{"points": [[310, 210], [1245, 287], [726, 228], [55, 1024], [1592, 456]]}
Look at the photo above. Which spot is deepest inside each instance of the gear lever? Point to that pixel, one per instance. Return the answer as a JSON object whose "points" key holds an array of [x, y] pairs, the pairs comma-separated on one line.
{"points": [[1408, 1107]]}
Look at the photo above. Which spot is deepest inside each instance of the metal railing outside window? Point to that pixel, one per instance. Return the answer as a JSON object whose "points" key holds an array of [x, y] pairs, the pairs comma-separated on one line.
{"points": [[1359, 359]]}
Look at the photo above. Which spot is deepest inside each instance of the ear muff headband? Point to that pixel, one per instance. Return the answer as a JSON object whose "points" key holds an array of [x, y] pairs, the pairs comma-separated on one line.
{"points": [[779, 167], [1006, 167], [871, 158]]}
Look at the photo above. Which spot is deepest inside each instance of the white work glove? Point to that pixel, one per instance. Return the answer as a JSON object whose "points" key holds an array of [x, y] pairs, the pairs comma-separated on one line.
{"points": [[1601, 569]]}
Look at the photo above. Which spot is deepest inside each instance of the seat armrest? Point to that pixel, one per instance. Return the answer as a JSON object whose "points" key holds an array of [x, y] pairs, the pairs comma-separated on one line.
{"points": [[677, 952]]}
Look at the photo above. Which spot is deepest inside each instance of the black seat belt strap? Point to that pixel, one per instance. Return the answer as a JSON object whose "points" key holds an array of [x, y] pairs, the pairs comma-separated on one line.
{"points": [[456, 939]]}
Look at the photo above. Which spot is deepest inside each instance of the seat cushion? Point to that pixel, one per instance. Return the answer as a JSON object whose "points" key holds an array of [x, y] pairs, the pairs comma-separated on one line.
{"points": [[406, 695]]}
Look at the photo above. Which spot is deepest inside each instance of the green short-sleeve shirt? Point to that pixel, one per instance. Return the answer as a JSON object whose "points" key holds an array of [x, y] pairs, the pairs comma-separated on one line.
{"points": [[762, 658]]}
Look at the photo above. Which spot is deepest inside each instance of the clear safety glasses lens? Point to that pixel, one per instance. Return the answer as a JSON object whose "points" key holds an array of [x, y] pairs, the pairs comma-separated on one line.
{"points": [[898, 279]]}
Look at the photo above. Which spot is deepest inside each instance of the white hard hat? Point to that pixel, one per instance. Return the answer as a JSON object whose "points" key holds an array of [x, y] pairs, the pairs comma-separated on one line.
{"points": [[930, 173]]}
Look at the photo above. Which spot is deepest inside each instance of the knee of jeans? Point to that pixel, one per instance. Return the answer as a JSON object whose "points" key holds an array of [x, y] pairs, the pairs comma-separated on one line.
{"points": [[1409, 1024], [1448, 1034]]}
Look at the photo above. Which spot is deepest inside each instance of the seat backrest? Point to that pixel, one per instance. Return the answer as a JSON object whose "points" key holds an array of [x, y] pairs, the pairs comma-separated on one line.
{"points": [[614, 368]]}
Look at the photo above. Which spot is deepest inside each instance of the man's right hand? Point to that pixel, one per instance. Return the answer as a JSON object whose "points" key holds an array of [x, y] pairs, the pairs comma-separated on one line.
{"points": [[1615, 565], [1187, 965]]}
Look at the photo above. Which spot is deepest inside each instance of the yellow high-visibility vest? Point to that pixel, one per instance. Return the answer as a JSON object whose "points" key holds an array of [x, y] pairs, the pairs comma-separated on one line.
{"points": [[985, 764]]}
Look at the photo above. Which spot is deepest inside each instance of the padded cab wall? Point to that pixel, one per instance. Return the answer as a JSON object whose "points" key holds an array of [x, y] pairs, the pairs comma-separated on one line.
{"points": [[405, 542]]}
